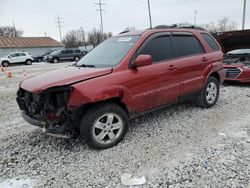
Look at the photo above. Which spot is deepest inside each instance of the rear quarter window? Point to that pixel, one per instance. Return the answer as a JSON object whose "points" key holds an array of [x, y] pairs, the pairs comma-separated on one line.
{"points": [[77, 51], [187, 45], [210, 41]]}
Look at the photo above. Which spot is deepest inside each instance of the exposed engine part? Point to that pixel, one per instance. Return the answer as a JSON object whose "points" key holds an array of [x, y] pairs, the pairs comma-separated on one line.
{"points": [[49, 107]]}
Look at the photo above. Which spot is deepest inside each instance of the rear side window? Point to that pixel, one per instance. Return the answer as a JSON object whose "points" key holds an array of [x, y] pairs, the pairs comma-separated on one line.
{"points": [[77, 51], [211, 42], [159, 48], [22, 54], [187, 45]]}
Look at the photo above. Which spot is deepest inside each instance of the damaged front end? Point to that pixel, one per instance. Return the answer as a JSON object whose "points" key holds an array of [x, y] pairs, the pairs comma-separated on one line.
{"points": [[47, 110]]}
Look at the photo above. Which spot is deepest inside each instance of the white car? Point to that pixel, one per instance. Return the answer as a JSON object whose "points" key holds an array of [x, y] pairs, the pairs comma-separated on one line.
{"points": [[16, 57]]}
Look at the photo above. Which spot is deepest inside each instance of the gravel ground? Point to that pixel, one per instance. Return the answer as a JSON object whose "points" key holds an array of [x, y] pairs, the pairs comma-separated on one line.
{"points": [[181, 146]]}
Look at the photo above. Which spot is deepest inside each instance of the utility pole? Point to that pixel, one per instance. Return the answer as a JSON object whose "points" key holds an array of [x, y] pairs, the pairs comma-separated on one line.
{"points": [[195, 17], [149, 13], [59, 25], [83, 35], [45, 34], [101, 10], [244, 14], [14, 28]]}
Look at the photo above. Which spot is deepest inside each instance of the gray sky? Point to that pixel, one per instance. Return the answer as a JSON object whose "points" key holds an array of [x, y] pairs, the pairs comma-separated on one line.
{"points": [[36, 17]]}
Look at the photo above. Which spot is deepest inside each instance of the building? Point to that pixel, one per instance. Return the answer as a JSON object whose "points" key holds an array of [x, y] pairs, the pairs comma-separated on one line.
{"points": [[34, 45]]}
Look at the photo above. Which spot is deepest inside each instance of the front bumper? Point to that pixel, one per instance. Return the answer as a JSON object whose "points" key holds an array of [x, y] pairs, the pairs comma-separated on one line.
{"points": [[35, 111], [31, 120], [47, 128]]}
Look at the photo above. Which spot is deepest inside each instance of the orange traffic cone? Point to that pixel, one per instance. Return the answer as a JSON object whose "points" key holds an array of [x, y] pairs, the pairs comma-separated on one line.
{"points": [[9, 74], [2, 68]]}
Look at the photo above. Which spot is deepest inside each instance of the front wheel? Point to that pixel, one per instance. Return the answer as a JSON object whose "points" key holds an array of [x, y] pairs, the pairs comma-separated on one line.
{"points": [[5, 64], [104, 125], [39, 59], [55, 60], [209, 94]]}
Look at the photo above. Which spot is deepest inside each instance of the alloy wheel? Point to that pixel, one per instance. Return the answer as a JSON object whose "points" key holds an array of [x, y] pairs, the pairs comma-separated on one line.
{"points": [[211, 93], [108, 128]]}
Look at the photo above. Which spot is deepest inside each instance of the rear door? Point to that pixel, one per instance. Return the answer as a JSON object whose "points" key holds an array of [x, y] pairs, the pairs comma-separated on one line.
{"points": [[191, 60], [23, 57], [157, 84]]}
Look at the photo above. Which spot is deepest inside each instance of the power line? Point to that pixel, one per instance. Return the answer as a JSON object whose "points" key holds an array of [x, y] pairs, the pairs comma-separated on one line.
{"points": [[14, 28], [149, 13], [101, 10], [59, 25], [244, 15]]}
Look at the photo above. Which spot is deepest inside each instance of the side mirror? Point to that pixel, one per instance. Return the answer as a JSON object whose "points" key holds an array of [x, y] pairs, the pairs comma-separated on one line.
{"points": [[143, 60]]}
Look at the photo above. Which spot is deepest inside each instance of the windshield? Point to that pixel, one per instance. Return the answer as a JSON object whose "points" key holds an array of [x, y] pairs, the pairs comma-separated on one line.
{"points": [[109, 53]]}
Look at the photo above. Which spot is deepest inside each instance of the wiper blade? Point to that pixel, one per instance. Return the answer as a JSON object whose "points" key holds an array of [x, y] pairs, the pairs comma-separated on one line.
{"points": [[84, 65]]}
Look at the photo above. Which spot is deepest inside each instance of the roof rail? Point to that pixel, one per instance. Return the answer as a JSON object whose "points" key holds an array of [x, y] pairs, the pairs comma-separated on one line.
{"points": [[123, 32], [180, 26]]}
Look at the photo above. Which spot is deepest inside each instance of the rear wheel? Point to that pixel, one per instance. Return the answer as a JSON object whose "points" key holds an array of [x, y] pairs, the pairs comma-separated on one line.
{"points": [[28, 62], [5, 64], [209, 94], [76, 58], [104, 125]]}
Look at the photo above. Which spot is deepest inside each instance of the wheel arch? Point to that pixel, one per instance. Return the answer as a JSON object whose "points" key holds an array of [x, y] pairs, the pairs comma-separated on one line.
{"points": [[215, 75]]}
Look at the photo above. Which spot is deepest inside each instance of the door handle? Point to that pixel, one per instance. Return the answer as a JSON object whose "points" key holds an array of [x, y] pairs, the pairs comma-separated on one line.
{"points": [[172, 67], [204, 59]]}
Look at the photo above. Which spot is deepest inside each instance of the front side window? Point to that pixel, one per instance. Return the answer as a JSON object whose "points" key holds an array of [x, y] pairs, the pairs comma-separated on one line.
{"points": [[69, 51], [186, 45], [22, 54], [159, 48], [14, 55], [109, 53]]}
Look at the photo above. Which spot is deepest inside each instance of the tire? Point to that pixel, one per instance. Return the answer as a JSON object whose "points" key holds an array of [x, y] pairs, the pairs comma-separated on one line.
{"points": [[55, 60], [101, 122], [5, 63], [76, 58], [39, 60], [28, 62], [209, 94]]}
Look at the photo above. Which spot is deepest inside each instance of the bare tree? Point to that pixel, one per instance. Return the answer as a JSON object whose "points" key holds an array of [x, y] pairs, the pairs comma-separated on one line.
{"points": [[79, 37], [9, 31], [222, 25], [94, 37], [74, 38]]}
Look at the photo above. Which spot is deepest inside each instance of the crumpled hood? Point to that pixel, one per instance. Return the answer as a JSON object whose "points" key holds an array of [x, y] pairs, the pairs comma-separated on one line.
{"points": [[60, 77]]}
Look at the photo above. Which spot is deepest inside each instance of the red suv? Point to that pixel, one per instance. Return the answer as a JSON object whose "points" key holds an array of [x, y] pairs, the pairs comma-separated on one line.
{"points": [[126, 76]]}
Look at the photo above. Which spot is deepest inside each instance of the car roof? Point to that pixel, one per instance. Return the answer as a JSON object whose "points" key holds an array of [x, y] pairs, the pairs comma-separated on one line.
{"points": [[164, 28]]}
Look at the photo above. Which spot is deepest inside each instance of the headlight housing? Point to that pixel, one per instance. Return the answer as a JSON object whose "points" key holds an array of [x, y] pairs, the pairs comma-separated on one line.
{"points": [[247, 67]]}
